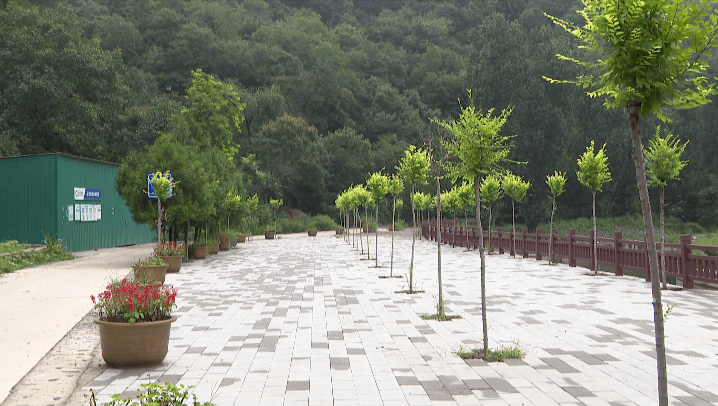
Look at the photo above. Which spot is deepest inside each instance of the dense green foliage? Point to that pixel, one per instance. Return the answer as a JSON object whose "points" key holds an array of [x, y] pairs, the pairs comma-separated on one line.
{"points": [[332, 91]]}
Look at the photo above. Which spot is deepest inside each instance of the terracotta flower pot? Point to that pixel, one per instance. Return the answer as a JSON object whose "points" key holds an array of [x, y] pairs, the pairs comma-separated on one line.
{"points": [[224, 245], [213, 248], [155, 273], [197, 251], [339, 231], [174, 263], [312, 233], [127, 345], [269, 235], [241, 238], [232, 242]]}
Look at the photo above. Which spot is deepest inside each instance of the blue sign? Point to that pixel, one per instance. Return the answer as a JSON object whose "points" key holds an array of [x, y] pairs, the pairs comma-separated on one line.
{"points": [[151, 188], [92, 193], [82, 193]]}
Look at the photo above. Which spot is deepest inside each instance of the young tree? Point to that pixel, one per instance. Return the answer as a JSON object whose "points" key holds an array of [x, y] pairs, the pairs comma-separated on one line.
{"points": [[414, 167], [663, 163], [423, 203], [396, 186], [647, 55], [516, 189], [490, 192], [480, 150], [451, 204], [275, 204], [378, 185], [368, 202], [215, 115], [162, 183], [252, 204], [556, 183], [593, 173], [466, 201]]}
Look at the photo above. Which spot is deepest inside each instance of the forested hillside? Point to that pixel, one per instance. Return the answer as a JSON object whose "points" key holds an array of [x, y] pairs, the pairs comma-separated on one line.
{"points": [[334, 90]]}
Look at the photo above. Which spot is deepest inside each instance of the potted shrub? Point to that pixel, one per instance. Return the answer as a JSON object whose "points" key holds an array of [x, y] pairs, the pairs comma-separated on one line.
{"points": [[223, 241], [212, 246], [312, 232], [269, 232], [339, 230], [172, 253], [197, 250], [134, 320], [152, 269], [241, 238]]}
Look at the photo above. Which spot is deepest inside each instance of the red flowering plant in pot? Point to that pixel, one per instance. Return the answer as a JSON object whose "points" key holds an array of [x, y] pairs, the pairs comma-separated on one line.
{"points": [[172, 254], [223, 241], [134, 318]]}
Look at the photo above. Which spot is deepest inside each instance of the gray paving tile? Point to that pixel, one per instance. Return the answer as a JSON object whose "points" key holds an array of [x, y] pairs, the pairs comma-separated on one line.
{"points": [[304, 321]]}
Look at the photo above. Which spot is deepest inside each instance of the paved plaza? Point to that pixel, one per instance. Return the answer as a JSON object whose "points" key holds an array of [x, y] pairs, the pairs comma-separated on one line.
{"points": [[309, 321]]}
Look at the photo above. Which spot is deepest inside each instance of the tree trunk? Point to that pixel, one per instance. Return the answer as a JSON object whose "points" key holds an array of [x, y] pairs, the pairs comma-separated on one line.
{"points": [[366, 216], [413, 239], [550, 238], [393, 226], [159, 221], [376, 237], [595, 236], [490, 250], [633, 111], [482, 256], [663, 238], [466, 228], [513, 225], [440, 305], [453, 234]]}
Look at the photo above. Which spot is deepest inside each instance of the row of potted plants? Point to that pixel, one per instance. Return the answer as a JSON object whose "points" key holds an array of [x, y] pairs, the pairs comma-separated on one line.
{"points": [[220, 242]]}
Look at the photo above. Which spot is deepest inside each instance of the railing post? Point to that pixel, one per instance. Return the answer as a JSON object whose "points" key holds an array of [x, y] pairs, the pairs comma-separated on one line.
{"points": [[591, 238], [686, 265], [571, 258], [524, 234], [538, 239], [617, 244], [501, 245]]}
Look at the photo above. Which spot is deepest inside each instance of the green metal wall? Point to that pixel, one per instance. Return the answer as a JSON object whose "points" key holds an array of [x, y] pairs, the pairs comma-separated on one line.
{"points": [[27, 198], [43, 191]]}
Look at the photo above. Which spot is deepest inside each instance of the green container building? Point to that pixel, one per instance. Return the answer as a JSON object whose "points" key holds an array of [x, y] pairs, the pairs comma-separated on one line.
{"points": [[68, 198]]}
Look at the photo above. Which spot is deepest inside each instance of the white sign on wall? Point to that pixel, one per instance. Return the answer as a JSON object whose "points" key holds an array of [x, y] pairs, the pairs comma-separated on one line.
{"points": [[79, 193]]}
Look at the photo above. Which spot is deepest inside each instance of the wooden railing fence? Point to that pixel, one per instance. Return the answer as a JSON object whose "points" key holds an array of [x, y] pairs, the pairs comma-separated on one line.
{"points": [[617, 253]]}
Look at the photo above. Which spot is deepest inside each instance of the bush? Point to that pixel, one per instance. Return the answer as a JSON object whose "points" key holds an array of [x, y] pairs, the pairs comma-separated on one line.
{"points": [[52, 252], [304, 223], [324, 222]]}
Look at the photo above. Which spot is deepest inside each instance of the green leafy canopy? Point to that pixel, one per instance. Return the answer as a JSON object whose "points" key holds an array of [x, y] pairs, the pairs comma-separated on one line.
{"points": [[556, 182], [593, 168], [414, 167], [648, 51], [477, 142], [515, 187], [663, 158]]}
